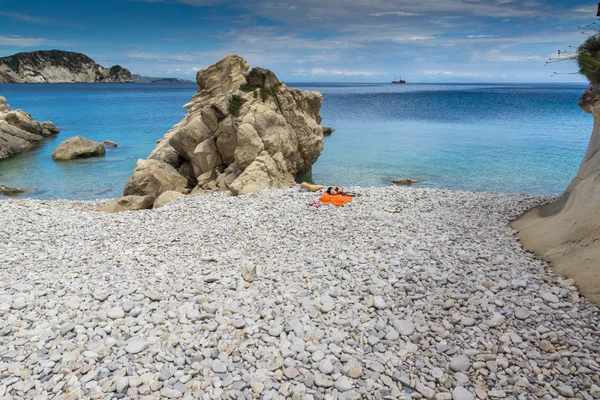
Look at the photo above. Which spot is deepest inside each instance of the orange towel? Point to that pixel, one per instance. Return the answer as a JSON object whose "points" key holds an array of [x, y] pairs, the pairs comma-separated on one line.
{"points": [[337, 200]]}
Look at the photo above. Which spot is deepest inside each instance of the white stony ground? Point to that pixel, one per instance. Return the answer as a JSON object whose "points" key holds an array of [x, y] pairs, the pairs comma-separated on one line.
{"points": [[405, 293]]}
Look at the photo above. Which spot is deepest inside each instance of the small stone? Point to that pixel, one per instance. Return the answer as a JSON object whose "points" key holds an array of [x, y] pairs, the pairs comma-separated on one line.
{"points": [[219, 367], [496, 320], [153, 295], [257, 387], [325, 366], [404, 327], [546, 346], [566, 391], [522, 313], [353, 369], [343, 384], [122, 384], [460, 363], [115, 313], [426, 391], [379, 303], [460, 393], [550, 297], [170, 393], [136, 345], [249, 273], [467, 321], [323, 381], [318, 356]]}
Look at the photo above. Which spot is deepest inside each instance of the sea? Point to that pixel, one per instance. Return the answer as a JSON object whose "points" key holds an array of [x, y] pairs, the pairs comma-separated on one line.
{"points": [[512, 138]]}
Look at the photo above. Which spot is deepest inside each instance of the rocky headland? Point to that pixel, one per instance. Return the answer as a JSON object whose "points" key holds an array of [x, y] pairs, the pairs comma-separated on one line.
{"points": [[243, 131], [566, 232], [19, 131], [57, 66]]}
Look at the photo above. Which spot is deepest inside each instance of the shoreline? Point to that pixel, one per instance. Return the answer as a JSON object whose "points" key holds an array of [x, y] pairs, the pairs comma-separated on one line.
{"points": [[404, 291]]}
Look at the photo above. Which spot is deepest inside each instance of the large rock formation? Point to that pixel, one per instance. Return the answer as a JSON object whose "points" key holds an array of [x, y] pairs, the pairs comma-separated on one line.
{"points": [[567, 232], [57, 66], [243, 132], [78, 147], [19, 131]]}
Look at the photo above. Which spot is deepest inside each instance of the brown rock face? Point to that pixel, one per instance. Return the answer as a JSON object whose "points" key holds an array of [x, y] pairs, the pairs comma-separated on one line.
{"points": [[19, 131], [567, 232], [78, 147], [243, 131], [129, 203]]}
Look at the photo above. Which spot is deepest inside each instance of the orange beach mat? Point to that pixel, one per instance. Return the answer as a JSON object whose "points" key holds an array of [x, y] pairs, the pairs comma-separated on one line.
{"points": [[337, 200]]}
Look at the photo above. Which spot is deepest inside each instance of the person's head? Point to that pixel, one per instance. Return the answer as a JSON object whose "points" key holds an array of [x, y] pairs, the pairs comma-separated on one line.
{"points": [[335, 190]]}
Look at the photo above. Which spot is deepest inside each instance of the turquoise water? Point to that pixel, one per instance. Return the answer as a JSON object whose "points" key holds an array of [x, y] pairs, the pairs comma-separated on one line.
{"points": [[507, 138]]}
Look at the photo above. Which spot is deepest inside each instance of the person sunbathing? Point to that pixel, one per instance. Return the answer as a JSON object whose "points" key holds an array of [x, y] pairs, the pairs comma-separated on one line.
{"points": [[335, 190]]}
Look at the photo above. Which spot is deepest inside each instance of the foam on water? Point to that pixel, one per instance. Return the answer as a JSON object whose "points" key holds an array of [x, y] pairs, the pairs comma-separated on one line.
{"points": [[508, 138]]}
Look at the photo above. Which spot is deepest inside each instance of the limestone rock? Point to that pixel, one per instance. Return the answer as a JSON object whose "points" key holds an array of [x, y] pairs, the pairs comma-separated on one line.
{"points": [[129, 203], [49, 129], [109, 143], [243, 132], [4, 106], [404, 181], [12, 191], [19, 131], [153, 177], [166, 197], [261, 77], [327, 130], [566, 232], [24, 121], [78, 147]]}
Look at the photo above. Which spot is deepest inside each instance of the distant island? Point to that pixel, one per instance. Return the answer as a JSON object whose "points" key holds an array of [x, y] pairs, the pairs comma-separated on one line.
{"points": [[57, 66], [147, 79]]}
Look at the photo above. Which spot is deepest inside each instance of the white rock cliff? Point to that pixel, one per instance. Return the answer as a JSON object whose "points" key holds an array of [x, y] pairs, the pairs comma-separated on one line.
{"points": [[567, 232], [243, 132]]}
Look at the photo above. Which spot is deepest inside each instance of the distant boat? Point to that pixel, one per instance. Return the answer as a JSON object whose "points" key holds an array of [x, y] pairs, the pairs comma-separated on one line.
{"points": [[396, 80]]}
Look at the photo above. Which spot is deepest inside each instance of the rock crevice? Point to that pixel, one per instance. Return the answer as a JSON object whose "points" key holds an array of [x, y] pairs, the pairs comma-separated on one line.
{"points": [[243, 131]]}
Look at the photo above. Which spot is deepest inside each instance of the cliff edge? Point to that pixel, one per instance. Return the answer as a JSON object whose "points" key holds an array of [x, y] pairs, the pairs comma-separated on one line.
{"points": [[566, 232], [244, 131], [57, 66]]}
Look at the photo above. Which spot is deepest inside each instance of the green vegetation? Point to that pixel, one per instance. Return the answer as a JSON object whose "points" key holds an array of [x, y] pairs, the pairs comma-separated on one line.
{"points": [[265, 93], [234, 106], [588, 58], [587, 55], [12, 62], [248, 88]]}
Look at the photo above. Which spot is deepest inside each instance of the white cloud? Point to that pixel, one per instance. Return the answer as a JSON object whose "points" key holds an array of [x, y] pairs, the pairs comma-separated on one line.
{"points": [[22, 41], [338, 72], [455, 74], [396, 13]]}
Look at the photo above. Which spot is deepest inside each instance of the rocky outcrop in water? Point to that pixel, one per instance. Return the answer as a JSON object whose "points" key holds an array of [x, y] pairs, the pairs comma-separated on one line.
{"points": [[567, 231], [244, 131], [78, 147], [19, 131], [57, 66]]}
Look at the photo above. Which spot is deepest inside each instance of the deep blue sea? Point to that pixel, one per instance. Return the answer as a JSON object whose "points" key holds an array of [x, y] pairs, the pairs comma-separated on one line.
{"points": [[483, 137]]}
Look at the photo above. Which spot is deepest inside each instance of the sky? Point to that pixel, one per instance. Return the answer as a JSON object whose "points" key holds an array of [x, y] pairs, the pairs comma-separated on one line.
{"points": [[312, 40]]}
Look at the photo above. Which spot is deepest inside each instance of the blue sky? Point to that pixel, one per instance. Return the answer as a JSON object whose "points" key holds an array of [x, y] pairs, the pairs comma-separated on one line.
{"points": [[311, 40]]}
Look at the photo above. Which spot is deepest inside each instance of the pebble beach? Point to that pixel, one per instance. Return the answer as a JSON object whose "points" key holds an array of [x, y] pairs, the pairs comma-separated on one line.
{"points": [[402, 294]]}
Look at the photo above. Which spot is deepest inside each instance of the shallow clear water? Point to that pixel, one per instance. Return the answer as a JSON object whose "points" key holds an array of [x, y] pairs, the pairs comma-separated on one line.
{"points": [[507, 138]]}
